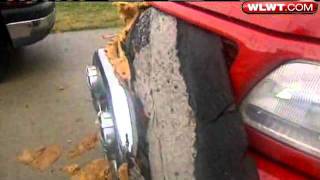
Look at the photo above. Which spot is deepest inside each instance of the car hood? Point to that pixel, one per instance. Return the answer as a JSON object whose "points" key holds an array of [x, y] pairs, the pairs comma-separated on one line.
{"points": [[291, 24]]}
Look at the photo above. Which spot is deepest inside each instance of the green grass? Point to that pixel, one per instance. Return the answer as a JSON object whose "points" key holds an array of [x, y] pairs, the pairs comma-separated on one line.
{"points": [[71, 16]]}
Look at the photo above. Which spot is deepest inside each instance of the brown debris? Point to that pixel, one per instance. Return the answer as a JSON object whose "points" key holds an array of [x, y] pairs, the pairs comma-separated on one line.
{"points": [[41, 158], [61, 88], [99, 169], [123, 172], [96, 170], [129, 12], [26, 157], [71, 169], [108, 36], [84, 146]]}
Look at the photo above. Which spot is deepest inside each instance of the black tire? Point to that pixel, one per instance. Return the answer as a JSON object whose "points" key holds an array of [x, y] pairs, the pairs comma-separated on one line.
{"points": [[180, 77], [4, 50], [4, 56]]}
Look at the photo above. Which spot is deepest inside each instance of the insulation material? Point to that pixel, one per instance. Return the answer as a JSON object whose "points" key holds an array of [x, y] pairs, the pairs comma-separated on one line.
{"points": [[86, 144], [123, 172], [129, 12], [98, 169], [71, 169], [41, 158]]}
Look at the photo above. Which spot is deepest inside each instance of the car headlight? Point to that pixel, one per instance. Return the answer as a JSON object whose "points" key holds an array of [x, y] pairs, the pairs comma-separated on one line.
{"points": [[286, 106]]}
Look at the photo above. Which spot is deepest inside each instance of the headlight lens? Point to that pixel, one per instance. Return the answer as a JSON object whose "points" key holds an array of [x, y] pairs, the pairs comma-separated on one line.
{"points": [[286, 106]]}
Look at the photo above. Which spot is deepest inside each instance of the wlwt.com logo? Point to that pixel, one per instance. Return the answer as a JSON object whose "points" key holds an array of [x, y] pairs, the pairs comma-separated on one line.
{"points": [[287, 7]]}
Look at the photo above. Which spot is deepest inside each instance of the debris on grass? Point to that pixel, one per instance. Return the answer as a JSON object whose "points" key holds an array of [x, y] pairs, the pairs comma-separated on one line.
{"points": [[86, 144], [41, 158]]}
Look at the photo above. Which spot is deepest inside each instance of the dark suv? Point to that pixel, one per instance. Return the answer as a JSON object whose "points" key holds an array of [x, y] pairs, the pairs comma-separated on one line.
{"points": [[23, 23]]}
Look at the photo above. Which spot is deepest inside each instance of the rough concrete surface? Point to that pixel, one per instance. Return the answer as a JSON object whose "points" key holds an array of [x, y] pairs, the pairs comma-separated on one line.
{"points": [[45, 100], [161, 88]]}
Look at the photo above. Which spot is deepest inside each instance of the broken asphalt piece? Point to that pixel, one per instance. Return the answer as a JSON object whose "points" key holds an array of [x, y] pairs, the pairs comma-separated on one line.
{"points": [[41, 158], [85, 145]]}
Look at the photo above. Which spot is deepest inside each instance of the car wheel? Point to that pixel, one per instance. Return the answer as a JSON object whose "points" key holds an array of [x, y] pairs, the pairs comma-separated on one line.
{"points": [[4, 55], [180, 77]]}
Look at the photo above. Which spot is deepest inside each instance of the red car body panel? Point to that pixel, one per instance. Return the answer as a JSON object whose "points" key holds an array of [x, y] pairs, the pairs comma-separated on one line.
{"points": [[298, 25], [264, 42]]}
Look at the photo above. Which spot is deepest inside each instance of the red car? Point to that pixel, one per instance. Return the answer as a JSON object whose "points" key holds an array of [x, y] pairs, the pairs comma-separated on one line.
{"points": [[214, 93]]}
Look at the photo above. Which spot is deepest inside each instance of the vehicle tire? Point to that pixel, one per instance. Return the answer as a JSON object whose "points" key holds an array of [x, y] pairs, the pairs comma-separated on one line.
{"points": [[180, 77], [4, 50], [4, 56]]}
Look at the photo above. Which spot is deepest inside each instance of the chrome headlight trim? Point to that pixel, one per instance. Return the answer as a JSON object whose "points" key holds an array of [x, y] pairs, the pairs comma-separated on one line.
{"points": [[117, 119], [120, 104]]}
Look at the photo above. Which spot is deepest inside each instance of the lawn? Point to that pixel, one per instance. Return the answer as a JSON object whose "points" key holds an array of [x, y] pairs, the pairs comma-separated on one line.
{"points": [[71, 16]]}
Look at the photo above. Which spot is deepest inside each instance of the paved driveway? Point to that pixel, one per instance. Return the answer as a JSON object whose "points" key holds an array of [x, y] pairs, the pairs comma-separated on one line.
{"points": [[45, 100]]}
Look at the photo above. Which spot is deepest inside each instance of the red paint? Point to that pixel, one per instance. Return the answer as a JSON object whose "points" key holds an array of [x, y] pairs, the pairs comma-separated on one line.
{"points": [[283, 153], [264, 43], [270, 170], [279, 7], [301, 25]]}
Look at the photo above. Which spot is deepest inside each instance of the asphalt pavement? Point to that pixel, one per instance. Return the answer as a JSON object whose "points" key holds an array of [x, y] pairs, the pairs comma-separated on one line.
{"points": [[44, 100]]}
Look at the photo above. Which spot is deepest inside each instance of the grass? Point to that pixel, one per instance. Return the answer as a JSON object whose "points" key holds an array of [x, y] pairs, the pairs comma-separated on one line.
{"points": [[71, 16]]}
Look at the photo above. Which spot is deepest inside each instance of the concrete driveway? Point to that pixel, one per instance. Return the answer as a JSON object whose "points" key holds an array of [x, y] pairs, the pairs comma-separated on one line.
{"points": [[45, 100]]}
